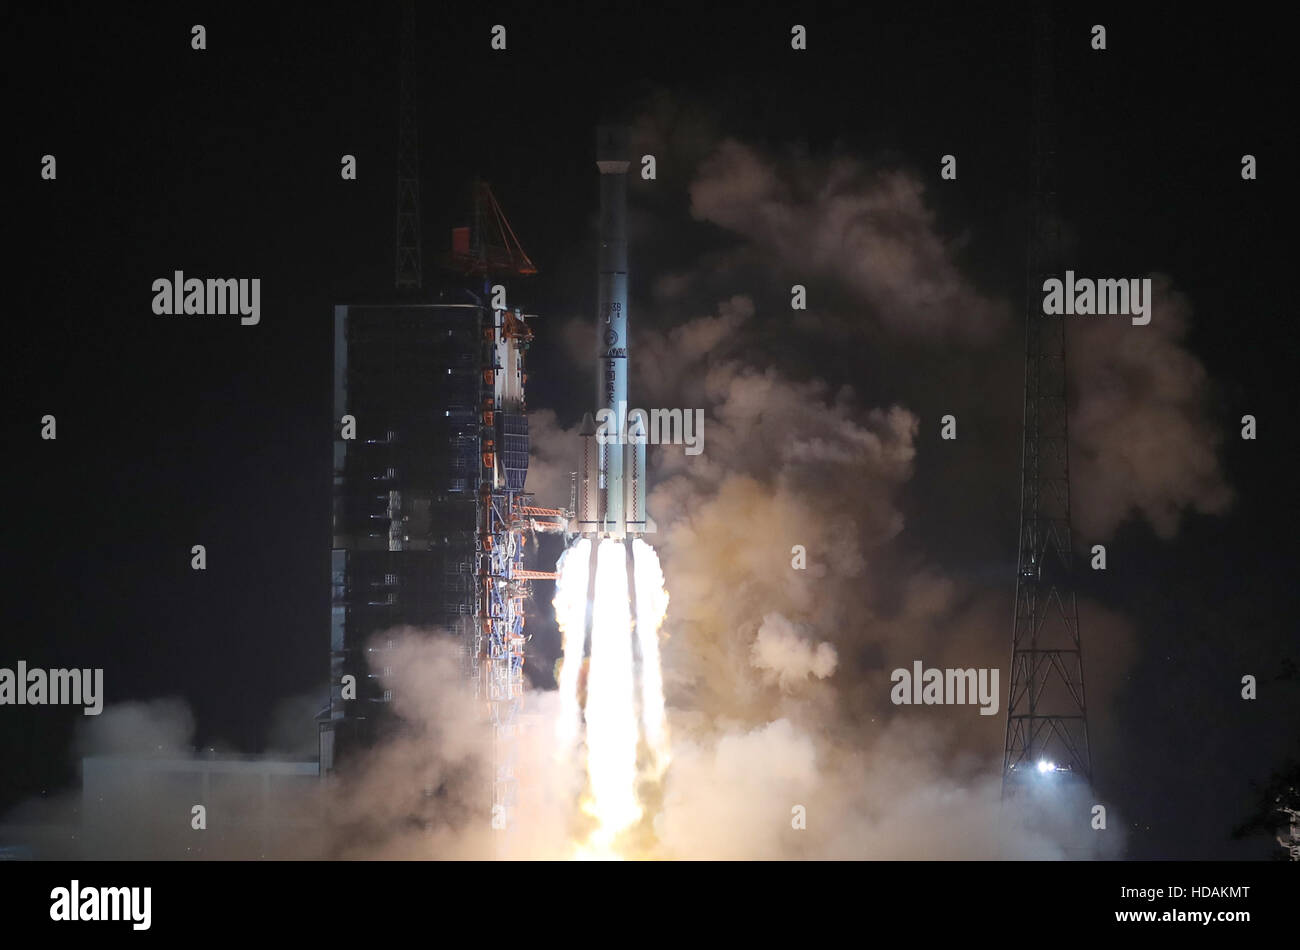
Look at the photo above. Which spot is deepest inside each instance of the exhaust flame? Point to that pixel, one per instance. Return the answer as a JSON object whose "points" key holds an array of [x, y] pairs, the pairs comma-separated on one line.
{"points": [[624, 703], [570, 613], [610, 715], [651, 605]]}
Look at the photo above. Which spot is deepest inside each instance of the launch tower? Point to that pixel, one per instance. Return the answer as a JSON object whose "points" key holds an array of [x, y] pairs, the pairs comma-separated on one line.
{"points": [[1047, 715]]}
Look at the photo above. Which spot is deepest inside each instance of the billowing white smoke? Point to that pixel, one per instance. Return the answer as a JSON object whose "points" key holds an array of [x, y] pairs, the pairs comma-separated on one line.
{"points": [[787, 657], [1141, 442], [868, 228]]}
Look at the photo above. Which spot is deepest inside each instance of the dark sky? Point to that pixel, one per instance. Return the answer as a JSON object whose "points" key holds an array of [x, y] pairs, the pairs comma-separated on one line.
{"points": [[225, 162]]}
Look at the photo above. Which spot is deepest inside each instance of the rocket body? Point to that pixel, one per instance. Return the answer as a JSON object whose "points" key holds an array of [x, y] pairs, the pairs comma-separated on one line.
{"points": [[611, 496]]}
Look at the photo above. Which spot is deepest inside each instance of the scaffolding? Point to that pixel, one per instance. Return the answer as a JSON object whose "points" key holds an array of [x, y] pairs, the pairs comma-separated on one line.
{"points": [[506, 517]]}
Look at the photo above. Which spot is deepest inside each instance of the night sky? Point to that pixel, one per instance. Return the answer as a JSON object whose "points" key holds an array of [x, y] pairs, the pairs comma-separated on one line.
{"points": [[174, 431]]}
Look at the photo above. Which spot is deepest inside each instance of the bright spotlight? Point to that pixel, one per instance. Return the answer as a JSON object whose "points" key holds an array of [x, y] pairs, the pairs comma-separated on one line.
{"points": [[1045, 766]]}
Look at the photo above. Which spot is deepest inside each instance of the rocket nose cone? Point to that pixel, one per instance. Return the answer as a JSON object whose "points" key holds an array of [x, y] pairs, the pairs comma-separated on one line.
{"points": [[588, 426]]}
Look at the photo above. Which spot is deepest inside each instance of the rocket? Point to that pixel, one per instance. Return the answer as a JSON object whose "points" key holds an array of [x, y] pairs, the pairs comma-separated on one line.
{"points": [[611, 480]]}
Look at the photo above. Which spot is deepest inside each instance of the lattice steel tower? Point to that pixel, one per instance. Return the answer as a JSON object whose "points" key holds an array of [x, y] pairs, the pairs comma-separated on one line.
{"points": [[1047, 717], [408, 162]]}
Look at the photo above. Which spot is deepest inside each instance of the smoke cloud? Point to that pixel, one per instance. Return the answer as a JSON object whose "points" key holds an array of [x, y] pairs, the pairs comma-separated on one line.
{"points": [[788, 657], [1142, 442], [422, 794], [868, 229]]}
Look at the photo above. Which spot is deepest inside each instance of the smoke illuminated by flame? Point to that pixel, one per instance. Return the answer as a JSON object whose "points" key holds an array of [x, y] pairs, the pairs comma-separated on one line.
{"points": [[626, 734]]}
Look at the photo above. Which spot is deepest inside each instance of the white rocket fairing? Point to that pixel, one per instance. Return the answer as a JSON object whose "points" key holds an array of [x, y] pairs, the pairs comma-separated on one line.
{"points": [[611, 482]]}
